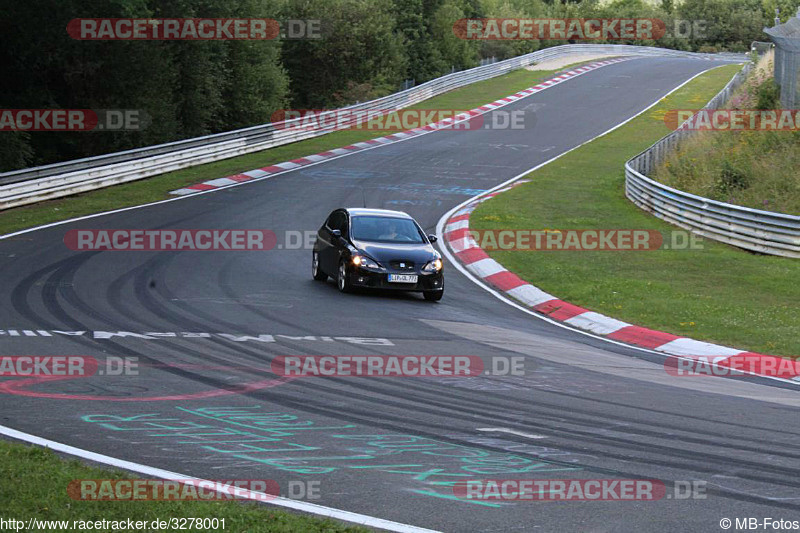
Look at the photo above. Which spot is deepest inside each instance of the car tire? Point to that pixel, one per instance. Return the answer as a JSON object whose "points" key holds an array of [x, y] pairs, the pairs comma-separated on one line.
{"points": [[316, 271], [433, 296], [342, 281]]}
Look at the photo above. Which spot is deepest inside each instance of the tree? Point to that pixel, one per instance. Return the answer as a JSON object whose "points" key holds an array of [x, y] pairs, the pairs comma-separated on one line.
{"points": [[184, 88], [359, 46]]}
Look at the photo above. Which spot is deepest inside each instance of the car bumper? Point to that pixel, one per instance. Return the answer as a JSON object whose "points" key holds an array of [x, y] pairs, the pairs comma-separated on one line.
{"points": [[380, 280]]}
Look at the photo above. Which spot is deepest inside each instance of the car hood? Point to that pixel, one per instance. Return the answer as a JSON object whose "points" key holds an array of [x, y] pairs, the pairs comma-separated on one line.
{"points": [[384, 252]]}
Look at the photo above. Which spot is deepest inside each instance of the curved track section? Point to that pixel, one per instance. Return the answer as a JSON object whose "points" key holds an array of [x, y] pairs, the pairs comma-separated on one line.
{"points": [[206, 325]]}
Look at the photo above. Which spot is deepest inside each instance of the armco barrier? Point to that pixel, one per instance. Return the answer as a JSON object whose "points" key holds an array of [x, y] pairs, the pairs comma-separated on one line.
{"points": [[752, 229], [63, 179]]}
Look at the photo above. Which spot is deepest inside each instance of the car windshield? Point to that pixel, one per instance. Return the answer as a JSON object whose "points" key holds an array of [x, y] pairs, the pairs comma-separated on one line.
{"points": [[386, 229]]}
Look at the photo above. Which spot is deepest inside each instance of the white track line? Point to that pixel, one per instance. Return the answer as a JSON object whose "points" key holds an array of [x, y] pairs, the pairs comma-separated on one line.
{"points": [[303, 167], [457, 264], [297, 505], [135, 467], [307, 507]]}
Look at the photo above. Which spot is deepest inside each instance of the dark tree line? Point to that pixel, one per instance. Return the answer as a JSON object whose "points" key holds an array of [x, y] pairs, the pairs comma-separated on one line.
{"points": [[193, 88]]}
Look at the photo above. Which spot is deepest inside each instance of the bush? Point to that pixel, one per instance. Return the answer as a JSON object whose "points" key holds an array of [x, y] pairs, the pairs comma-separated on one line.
{"points": [[755, 169], [768, 95], [731, 179]]}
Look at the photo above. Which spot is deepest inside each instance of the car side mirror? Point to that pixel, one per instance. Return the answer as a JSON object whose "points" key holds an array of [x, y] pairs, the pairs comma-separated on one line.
{"points": [[433, 238], [336, 233]]}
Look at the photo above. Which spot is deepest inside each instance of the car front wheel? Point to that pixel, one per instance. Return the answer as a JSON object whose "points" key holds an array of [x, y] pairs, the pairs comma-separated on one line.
{"points": [[316, 271], [342, 280]]}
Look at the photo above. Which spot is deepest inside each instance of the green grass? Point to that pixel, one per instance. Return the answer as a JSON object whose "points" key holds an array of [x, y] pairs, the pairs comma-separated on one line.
{"points": [[719, 294], [755, 169], [35, 484], [158, 187]]}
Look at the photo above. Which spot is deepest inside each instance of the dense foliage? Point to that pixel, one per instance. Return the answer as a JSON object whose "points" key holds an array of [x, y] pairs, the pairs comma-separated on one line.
{"points": [[369, 48]]}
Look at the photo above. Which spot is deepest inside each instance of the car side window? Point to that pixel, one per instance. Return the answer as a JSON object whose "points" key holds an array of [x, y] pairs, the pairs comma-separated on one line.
{"points": [[337, 220], [331, 222]]}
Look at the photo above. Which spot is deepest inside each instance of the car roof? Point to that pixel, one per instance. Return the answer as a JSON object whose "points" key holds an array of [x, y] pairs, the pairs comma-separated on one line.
{"points": [[356, 211]]}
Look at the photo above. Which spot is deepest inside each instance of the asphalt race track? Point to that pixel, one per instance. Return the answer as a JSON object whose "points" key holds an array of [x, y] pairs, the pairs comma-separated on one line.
{"points": [[204, 402]]}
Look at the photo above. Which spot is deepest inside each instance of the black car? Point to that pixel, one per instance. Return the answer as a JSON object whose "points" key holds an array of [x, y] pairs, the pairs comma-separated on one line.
{"points": [[379, 249]]}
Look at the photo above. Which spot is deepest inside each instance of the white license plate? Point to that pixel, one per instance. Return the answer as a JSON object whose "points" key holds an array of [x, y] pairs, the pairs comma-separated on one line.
{"points": [[403, 278]]}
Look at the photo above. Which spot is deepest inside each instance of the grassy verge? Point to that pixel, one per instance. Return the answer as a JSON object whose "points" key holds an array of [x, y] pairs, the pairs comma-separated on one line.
{"points": [[719, 294], [751, 168], [158, 187], [35, 484]]}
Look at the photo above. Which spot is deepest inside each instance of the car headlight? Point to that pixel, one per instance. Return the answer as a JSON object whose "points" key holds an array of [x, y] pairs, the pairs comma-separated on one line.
{"points": [[433, 266], [364, 261]]}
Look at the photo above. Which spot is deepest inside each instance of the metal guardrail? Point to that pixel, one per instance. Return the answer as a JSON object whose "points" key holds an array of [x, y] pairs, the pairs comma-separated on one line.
{"points": [[761, 47], [752, 229], [63, 179]]}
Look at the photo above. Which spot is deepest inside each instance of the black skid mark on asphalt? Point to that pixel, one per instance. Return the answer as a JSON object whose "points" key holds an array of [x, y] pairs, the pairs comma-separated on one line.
{"points": [[678, 458], [367, 415], [223, 281], [60, 284]]}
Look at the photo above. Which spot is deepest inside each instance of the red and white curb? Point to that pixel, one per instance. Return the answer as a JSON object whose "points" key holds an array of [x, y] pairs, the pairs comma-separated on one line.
{"points": [[466, 251], [279, 168]]}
